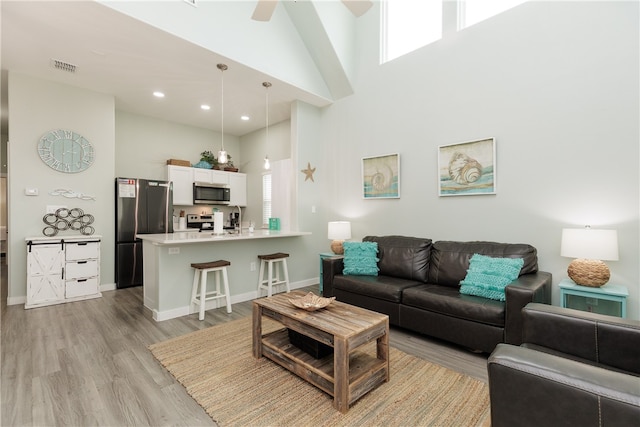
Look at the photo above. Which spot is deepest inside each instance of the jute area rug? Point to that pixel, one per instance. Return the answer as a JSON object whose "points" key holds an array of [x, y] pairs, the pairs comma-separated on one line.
{"points": [[216, 367]]}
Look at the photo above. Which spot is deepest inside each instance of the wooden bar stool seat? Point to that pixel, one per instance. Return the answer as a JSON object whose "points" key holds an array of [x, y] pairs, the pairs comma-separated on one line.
{"points": [[276, 263], [199, 294]]}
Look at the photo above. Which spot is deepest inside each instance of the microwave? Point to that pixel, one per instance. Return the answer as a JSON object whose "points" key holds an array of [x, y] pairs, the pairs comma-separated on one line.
{"points": [[210, 194]]}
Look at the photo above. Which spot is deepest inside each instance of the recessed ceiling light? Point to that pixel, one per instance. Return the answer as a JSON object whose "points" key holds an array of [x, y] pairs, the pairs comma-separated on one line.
{"points": [[205, 107], [158, 94], [245, 118]]}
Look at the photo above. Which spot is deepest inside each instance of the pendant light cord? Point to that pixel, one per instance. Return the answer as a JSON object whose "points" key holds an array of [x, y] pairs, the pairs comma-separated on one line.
{"points": [[267, 85], [222, 68]]}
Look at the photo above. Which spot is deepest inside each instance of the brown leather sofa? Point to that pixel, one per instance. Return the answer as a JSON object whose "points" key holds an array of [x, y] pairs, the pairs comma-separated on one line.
{"points": [[418, 288], [573, 369]]}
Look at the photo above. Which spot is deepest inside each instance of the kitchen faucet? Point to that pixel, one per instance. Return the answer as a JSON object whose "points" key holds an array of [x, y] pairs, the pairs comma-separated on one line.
{"points": [[239, 219]]}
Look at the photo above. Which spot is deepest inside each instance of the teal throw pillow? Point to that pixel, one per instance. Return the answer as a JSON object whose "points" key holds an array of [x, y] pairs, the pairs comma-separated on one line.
{"points": [[360, 258], [487, 277]]}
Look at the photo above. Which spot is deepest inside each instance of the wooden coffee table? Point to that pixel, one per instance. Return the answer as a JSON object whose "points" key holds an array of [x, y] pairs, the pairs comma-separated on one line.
{"points": [[346, 375]]}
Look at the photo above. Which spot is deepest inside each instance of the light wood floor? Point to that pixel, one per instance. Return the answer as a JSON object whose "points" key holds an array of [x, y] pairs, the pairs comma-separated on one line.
{"points": [[87, 363]]}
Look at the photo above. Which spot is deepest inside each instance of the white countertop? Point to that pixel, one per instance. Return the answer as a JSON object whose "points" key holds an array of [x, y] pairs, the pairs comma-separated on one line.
{"points": [[208, 236]]}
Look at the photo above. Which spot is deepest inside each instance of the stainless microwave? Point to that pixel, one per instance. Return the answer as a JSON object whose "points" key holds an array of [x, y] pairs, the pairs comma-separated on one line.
{"points": [[210, 194]]}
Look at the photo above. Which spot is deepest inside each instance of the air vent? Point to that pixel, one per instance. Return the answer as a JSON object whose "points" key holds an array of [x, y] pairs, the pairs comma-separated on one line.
{"points": [[63, 66], [193, 3]]}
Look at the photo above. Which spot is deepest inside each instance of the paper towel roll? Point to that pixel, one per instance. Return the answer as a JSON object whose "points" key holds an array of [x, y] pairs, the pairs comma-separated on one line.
{"points": [[217, 223], [182, 223]]}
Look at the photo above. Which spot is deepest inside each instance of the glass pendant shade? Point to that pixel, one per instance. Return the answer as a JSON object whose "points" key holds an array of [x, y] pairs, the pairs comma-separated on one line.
{"points": [[267, 165], [222, 156]]}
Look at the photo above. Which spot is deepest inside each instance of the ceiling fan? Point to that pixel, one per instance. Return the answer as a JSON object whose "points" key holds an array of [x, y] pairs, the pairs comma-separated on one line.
{"points": [[264, 8]]}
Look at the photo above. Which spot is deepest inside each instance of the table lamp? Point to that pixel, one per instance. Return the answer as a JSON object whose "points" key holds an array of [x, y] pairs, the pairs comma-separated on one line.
{"points": [[338, 232], [590, 247]]}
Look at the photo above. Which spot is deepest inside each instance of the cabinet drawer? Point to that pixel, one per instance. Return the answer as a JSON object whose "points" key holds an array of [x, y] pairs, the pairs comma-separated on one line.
{"points": [[79, 269], [81, 287], [82, 250]]}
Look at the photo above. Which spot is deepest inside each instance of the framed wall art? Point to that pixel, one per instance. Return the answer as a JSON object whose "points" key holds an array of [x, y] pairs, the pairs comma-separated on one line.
{"points": [[381, 177], [467, 168]]}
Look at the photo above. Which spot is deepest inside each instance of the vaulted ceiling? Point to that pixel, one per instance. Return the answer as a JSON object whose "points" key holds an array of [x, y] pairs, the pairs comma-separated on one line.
{"points": [[117, 51]]}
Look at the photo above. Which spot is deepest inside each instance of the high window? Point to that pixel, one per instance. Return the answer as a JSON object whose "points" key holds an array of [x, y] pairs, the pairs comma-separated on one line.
{"points": [[473, 11], [408, 25]]}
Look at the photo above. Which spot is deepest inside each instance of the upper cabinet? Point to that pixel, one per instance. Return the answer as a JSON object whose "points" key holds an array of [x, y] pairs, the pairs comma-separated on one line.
{"points": [[210, 176], [238, 186], [183, 178]]}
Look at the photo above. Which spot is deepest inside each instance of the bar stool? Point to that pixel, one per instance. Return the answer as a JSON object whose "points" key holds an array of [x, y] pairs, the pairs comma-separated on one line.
{"points": [[201, 296], [275, 262]]}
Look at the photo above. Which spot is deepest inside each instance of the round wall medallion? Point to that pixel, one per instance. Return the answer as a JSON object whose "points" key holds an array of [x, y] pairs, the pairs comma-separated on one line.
{"points": [[65, 151]]}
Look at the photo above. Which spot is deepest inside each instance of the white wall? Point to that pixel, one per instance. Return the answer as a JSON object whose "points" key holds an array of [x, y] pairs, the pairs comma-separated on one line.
{"points": [[38, 106], [254, 147], [144, 144], [556, 83]]}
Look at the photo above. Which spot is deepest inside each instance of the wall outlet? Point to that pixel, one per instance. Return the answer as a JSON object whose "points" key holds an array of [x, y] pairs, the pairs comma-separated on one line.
{"points": [[173, 251], [252, 266]]}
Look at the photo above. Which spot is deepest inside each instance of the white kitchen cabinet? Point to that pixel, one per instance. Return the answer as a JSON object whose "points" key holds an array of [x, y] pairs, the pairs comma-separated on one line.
{"points": [[182, 178], [210, 176], [62, 269], [238, 187]]}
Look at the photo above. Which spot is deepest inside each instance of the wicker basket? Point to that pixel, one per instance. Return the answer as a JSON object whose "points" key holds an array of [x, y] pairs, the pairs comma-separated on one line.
{"points": [[176, 162], [588, 272]]}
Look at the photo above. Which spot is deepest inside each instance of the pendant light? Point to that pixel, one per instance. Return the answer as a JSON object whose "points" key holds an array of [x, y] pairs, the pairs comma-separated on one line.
{"points": [[222, 154], [266, 85]]}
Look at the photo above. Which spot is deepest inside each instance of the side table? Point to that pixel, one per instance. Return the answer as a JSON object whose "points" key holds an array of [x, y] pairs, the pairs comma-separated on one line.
{"points": [[608, 299], [324, 255]]}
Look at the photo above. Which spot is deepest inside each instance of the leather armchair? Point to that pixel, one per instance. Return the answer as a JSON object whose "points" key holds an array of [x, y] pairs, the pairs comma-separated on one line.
{"points": [[574, 368]]}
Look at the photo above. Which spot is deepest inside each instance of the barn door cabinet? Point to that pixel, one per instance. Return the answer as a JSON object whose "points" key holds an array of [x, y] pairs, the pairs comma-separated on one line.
{"points": [[62, 269]]}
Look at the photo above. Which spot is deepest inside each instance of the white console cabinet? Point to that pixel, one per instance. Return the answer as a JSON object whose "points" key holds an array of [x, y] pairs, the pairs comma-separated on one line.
{"points": [[62, 269]]}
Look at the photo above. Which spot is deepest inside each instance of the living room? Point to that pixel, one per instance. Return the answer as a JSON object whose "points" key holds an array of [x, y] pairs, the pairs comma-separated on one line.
{"points": [[555, 83]]}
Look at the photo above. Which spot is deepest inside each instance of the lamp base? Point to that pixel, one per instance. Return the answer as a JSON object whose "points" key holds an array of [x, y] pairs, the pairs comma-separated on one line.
{"points": [[336, 247], [588, 272]]}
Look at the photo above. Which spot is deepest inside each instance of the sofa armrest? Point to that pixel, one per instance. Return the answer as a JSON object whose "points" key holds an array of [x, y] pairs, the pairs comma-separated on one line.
{"points": [[605, 340], [532, 287], [532, 388], [331, 266]]}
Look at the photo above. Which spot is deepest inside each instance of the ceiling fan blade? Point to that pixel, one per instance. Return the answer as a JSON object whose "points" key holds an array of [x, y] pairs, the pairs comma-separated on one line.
{"points": [[358, 7], [264, 10]]}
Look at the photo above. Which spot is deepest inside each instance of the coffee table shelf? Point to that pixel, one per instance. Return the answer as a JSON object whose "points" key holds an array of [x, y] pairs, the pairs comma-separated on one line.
{"points": [[347, 374], [319, 372]]}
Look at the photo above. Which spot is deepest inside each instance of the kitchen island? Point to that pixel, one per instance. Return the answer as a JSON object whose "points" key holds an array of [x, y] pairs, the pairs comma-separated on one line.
{"points": [[168, 275]]}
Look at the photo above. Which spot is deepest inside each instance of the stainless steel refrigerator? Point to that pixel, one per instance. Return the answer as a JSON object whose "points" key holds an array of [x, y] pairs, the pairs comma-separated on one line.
{"points": [[142, 207]]}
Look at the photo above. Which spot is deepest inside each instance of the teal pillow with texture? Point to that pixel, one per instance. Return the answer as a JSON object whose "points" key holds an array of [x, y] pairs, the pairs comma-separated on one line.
{"points": [[487, 277], [360, 259]]}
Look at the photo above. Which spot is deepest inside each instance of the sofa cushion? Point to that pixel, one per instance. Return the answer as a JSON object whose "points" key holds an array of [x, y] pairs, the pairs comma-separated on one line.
{"points": [[450, 260], [487, 276], [403, 257], [360, 258], [381, 287], [448, 301]]}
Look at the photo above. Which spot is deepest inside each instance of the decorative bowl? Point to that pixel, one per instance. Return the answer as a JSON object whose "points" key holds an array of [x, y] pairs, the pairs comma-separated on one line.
{"points": [[311, 302]]}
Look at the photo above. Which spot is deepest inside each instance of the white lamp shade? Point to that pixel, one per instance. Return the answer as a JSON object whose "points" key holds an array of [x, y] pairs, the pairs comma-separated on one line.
{"points": [[339, 230], [588, 243]]}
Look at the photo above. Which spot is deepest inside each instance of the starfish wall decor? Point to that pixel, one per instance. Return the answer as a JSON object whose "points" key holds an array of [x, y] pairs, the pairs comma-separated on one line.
{"points": [[308, 172]]}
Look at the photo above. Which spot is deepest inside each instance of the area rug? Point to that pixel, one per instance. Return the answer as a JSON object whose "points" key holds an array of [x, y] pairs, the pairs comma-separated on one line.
{"points": [[216, 367]]}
